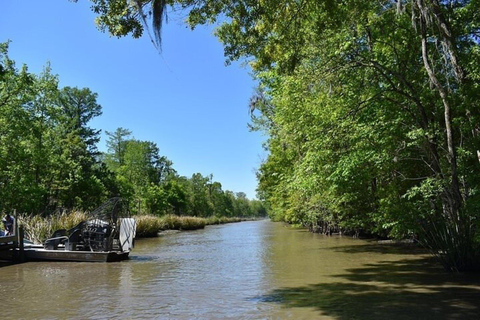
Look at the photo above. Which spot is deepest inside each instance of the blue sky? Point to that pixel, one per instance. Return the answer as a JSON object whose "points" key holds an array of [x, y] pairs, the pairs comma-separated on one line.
{"points": [[185, 99]]}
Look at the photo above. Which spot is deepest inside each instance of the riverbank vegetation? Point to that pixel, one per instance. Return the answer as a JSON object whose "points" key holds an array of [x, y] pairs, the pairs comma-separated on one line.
{"points": [[49, 160], [38, 228], [150, 226], [372, 110]]}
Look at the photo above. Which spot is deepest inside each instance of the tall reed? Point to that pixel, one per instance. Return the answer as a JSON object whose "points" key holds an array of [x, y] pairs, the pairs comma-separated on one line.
{"points": [[148, 226], [38, 229]]}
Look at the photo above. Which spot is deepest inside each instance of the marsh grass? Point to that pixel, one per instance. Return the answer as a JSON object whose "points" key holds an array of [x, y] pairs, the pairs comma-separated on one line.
{"points": [[223, 220], [149, 225], [38, 229], [172, 222]]}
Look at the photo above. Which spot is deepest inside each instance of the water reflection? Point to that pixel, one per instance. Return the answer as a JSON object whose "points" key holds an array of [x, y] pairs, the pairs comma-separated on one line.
{"points": [[405, 289], [250, 270]]}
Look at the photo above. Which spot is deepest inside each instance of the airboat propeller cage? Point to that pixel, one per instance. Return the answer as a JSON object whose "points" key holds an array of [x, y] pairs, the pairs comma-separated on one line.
{"points": [[109, 228]]}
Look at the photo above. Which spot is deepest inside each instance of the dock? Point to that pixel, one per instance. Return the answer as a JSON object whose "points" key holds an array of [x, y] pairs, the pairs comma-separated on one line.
{"points": [[11, 247]]}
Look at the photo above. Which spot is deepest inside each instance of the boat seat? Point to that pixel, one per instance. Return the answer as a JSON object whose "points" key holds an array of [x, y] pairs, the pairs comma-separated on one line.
{"points": [[52, 243], [58, 237], [79, 226], [73, 239]]}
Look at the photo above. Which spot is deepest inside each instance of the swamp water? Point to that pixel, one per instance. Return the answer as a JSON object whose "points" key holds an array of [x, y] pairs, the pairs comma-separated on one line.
{"points": [[248, 270]]}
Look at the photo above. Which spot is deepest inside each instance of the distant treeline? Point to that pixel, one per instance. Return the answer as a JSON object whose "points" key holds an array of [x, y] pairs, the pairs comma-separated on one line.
{"points": [[49, 157]]}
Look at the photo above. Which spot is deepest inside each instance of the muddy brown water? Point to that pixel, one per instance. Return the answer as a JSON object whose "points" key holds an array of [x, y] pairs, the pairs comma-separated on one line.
{"points": [[248, 270]]}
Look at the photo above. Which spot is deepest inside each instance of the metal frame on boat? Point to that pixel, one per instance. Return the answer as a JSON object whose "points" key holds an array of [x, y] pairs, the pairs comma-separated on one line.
{"points": [[104, 237]]}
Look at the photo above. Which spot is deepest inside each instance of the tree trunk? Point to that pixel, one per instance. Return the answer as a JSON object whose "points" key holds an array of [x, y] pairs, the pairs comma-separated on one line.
{"points": [[453, 195]]}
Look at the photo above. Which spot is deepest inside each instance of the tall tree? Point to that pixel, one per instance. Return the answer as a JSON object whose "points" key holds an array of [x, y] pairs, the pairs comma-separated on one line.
{"points": [[17, 188], [79, 107], [116, 145], [372, 111], [48, 152], [79, 182]]}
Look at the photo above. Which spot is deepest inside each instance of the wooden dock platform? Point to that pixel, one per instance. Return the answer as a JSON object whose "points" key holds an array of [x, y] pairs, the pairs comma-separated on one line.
{"points": [[11, 247]]}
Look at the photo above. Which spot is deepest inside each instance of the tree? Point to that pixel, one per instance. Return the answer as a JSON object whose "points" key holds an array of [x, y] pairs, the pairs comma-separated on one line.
{"points": [[48, 151], [176, 189], [79, 107], [17, 188], [116, 145], [371, 108], [201, 205], [79, 181], [140, 171], [49, 157]]}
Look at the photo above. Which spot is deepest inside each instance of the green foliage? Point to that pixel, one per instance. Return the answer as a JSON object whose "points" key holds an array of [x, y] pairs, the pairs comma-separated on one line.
{"points": [[119, 17], [359, 137], [48, 153], [49, 159], [372, 113]]}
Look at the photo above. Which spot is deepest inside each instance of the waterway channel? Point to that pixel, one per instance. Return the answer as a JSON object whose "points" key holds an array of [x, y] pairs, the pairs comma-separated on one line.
{"points": [[248, 270]]}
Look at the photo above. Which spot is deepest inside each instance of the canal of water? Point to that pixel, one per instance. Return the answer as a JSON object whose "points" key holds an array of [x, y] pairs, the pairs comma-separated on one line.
{"points": [[248, 270]]}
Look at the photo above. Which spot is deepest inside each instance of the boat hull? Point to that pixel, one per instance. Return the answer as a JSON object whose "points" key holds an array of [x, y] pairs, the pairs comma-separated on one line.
{"points": [[40, 254]]}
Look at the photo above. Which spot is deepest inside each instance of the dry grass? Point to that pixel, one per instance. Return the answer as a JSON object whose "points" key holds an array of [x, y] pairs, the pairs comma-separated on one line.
{"points": [[222, 220], [148, 226], [38, 229], [173, 222]]}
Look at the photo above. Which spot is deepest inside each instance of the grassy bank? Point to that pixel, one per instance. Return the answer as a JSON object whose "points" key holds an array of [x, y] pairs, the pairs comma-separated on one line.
{"points": [[150, 226], [38, 229]]}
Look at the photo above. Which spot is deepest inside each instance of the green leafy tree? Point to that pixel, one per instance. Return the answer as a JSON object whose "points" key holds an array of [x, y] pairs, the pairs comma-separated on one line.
{"points": [[17, 188], [140, 171], [116, 145], [49, 157], [176, 190], [48, 151], [201, 205], [79, 173], [371, 108]]}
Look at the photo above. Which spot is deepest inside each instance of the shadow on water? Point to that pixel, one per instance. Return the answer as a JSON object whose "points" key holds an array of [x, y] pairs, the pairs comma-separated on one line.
{"points": [[5, 263], [415, 288], [143, 258], [373, 246]]}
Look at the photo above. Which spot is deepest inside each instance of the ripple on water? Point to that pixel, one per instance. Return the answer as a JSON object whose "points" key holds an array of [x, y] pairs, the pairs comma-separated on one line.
{"points": [[250, 270]]}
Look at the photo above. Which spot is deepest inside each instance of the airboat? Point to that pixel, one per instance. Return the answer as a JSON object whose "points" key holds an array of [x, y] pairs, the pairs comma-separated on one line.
{"points": [[108, 235]]}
